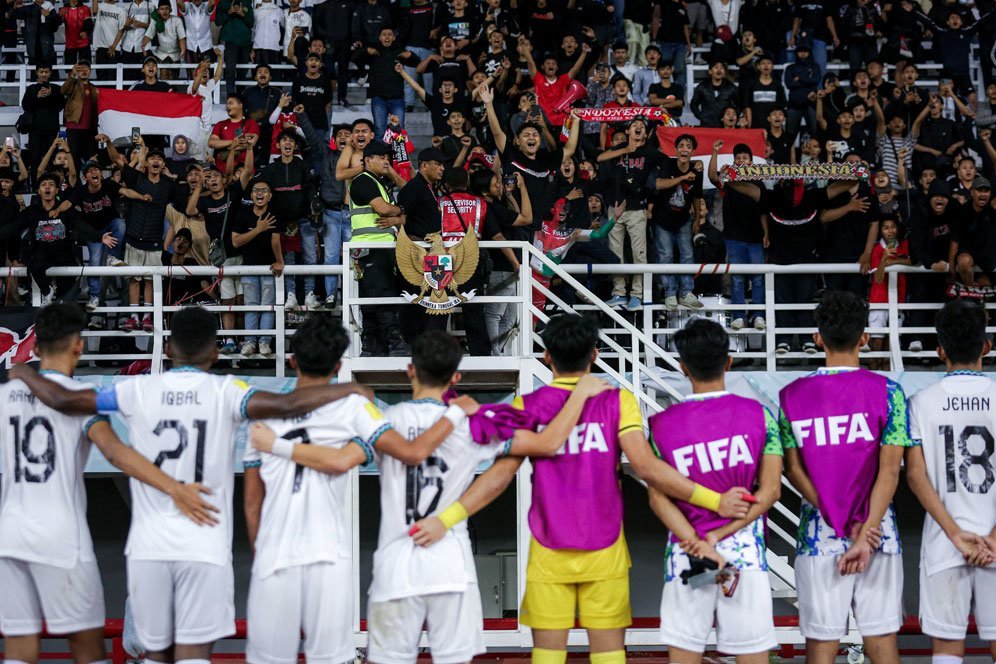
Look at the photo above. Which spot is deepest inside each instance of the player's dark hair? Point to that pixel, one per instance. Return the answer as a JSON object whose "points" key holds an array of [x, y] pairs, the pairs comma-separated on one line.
{"points": [[703, 345], [570, 340], [193, 334], [318, 346], [961, 331], [480, 182], [529, 125], [686, 137], [743, 148], [57, 326], [840, 318], [289, 133], [436, 356]]}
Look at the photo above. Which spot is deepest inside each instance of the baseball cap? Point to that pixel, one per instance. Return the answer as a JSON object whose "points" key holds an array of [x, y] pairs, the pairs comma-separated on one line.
{"points": [[431, 154], [88, 165], [981, 183], [155, 152], [148, 59], [376, 149], [185, 232]]}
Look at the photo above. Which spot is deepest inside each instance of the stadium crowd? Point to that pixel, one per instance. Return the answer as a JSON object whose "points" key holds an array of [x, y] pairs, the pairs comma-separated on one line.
{"points": [[279, 182]]}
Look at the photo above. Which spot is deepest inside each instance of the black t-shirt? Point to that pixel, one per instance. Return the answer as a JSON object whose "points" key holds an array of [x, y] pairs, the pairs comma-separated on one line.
{"points": [[812, 17], [314, 94], [674, 18], [846, 237], [537, 174], [742, 215], [503, 220], [793, 223], [182, 287], [761, 98], [975, 234], [675, 90], [144, 228], [439, 110], [781, 147], [672, 207], [158, 86], [630, 171], [421, 207], [450, 69], [214, 212], [259, 250], [97, 209]]}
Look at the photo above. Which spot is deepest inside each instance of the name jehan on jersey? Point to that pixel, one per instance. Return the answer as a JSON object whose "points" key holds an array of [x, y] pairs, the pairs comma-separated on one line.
{"points": [[966, 403]]}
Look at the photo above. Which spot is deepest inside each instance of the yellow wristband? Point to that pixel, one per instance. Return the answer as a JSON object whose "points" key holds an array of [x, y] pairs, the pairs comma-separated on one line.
{"points": [[456, 513], [707, 498]]}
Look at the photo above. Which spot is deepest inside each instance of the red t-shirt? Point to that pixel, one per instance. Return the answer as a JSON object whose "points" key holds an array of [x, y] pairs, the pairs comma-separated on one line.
{"points": [[74, 18], [225, 130], [880, 291], [548, 94]]}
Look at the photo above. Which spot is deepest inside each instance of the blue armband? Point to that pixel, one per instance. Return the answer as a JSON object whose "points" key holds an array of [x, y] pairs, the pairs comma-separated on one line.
{"points": [[107, 400]]}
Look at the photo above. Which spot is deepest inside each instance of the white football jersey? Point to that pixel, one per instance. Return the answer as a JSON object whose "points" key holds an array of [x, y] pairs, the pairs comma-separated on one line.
{"points": [[306, 513], [43, 501], [955, 421], [411, 493], [186, 422]]}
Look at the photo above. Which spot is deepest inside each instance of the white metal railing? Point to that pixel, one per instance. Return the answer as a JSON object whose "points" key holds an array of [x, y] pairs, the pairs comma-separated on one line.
{"points": [[126, 75], [635, 343]]}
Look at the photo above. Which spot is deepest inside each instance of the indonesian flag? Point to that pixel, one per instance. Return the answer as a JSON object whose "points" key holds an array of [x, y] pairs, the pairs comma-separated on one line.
{"points": [[162, 113], [753, 138]]}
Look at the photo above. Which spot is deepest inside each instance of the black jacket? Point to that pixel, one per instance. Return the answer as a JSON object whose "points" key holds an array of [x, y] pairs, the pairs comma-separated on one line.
{"points": [[293, 188]]}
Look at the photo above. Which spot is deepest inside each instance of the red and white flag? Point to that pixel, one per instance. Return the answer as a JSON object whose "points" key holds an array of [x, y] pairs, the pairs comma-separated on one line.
{"points": [[752, 138], [164, 113]]}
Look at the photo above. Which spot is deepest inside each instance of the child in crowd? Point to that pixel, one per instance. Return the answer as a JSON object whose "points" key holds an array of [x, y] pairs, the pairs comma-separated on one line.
{"points": [[890, 250]]}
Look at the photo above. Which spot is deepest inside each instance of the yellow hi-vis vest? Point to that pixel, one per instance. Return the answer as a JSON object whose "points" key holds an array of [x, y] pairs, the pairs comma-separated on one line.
{"points": [[363, 218]]}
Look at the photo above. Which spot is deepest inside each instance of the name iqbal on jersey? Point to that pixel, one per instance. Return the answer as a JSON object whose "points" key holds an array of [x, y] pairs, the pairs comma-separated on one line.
{"points": [[833, 430], [714, 455], [967, 403], [182, 398]]}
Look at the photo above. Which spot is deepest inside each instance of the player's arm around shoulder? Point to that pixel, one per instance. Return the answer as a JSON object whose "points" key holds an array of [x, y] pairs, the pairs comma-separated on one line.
{"points": [[261, 405], [414, 452], [546, 443], [54, 395], [329, 460], [187, 497]]}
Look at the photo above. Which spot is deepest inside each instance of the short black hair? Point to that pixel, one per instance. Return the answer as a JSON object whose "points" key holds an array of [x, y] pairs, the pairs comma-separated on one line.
{"points": [[193, 334], [480, 182], [289, 133], [261, 66], [743, 148], [236, 96], [358, 121], [57, 326], [961, 330], [529, 125], [50, 175], [318, 345], [436, 356], [841, 317], [456, 179], [686, 137], [570, 340], [704, 346]]}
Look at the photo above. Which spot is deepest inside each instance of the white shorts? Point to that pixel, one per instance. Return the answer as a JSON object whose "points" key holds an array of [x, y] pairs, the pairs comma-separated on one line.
{"points": [[455, 623], [744, 622], [880, 318], [181, 602], [315, 599], [68, 600], [875, 596], [231, 287], [136, 257], [947, 597]]}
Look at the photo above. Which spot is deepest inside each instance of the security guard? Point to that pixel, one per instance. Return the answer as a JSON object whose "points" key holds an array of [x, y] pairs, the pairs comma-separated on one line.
{"points": [[374, 218]]}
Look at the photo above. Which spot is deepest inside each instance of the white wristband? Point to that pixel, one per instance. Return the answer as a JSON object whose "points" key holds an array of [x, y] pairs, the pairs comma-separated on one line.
{"points": [[455, 415], [282, 448]]}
